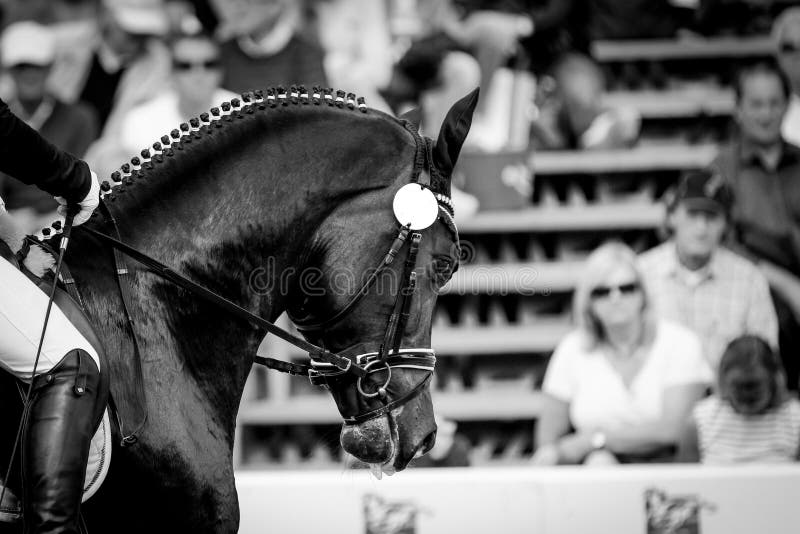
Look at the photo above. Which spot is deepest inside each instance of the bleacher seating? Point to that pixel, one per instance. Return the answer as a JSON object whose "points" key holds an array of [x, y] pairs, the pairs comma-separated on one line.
{"points": [[678, 63], [675, 103], [682, 49]]}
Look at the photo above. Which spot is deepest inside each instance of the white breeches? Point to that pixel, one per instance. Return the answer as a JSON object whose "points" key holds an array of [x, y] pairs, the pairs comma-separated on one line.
{"points": [[22, 310]]}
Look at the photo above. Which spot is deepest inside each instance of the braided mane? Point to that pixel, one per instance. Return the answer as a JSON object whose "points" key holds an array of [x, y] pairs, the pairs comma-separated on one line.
{"points": [[213, 123], [206, 125]]}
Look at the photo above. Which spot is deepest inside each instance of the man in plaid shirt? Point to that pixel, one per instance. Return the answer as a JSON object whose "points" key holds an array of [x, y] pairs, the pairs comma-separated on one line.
{"points": [[700, 284]]}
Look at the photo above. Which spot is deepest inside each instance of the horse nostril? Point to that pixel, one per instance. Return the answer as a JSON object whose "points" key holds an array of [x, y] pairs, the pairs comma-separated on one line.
{"points": [[427, 444]]}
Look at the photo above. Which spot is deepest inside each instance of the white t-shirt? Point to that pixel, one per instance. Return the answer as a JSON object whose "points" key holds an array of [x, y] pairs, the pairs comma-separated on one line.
{"points": [[791, 121], [596, 393]]}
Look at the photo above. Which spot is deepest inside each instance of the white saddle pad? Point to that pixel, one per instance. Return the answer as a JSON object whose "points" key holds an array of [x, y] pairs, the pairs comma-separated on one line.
{"points": [[99, 458]]}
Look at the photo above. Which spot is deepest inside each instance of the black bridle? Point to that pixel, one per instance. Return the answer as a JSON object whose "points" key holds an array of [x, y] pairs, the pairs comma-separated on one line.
{"points": [[389, 355], [328, 368]]}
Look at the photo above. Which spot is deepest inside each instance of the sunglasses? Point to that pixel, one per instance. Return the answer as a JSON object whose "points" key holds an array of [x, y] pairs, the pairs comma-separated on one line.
{"points": [[605, 291], [789, 48], [28, 66], [209, 64]]}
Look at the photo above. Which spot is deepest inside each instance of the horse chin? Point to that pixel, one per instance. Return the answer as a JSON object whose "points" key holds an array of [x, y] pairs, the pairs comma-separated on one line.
{"points": [[390, 442], [373, 442]]}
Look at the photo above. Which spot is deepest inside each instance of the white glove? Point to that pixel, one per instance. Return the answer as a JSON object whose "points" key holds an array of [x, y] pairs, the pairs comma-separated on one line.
{"points": [[87, 205]]}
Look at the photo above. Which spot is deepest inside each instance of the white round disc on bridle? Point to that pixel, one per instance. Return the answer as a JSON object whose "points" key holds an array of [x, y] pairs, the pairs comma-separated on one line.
{"points": [[415, 205]]}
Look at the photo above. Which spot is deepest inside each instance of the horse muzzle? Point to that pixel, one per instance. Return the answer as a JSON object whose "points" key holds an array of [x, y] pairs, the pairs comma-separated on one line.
{"points": [[394, 439]]}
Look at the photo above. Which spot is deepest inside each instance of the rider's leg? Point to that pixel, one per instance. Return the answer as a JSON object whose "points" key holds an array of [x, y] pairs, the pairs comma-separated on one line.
{"points": [[58, 431], [67, 395], [22, 309]]}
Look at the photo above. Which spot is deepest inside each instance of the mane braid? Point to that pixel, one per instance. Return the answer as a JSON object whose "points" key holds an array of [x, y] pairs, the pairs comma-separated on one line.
{"points": [[206, 125]]}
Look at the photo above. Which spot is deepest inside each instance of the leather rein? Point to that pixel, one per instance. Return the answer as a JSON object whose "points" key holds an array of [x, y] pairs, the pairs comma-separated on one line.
{"points": [[326, 367]]}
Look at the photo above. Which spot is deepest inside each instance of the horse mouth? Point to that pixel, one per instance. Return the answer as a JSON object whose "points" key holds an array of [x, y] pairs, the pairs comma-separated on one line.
{"points": [[387, 467], [378, 444], [375, 442]]}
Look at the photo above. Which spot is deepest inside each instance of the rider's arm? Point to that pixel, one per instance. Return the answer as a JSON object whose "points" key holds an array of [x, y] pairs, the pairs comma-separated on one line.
{"points": [[27, 156]]}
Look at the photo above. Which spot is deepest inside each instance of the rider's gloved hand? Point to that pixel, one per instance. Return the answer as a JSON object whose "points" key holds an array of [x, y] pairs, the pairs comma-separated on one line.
{"points": [[87, 205]]}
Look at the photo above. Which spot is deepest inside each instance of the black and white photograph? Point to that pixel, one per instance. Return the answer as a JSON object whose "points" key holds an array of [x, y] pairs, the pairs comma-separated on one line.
{"points": [[399, 266]]}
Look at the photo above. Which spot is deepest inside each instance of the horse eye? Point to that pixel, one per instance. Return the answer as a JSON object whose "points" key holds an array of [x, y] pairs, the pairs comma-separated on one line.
{"points": [[443, 264], [442, 269]]}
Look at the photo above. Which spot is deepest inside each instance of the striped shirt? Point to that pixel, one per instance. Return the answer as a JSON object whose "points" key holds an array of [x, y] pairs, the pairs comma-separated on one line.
{"points": [[725, 436], [726, 299]]}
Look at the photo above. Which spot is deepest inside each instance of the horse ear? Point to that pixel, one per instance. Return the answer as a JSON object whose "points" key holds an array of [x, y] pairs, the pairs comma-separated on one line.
{"points": [[414, 116], [453, 132]]}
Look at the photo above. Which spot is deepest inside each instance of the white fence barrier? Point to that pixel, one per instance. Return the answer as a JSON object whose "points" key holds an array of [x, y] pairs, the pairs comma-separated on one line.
{"points": [[674, 499]]}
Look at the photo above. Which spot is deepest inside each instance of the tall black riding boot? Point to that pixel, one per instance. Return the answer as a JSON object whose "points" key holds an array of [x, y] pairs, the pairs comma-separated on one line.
{"points": [[65, 408]]}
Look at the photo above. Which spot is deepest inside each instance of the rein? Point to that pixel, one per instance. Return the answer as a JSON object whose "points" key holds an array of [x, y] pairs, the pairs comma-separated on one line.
{"points": [[315, 352], [326, 367]]}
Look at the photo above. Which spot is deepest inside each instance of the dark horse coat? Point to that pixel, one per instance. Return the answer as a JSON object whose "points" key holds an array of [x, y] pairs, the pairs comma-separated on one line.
{"points": [[285, 184]]}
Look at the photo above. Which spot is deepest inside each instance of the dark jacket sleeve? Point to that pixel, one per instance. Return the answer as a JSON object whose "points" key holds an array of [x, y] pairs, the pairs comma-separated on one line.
{"points": [[28, 157]]}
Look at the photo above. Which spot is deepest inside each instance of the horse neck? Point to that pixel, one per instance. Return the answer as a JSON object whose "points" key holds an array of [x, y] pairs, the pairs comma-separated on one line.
{"points": [[258, 199], [259, 187], [242, 209]]}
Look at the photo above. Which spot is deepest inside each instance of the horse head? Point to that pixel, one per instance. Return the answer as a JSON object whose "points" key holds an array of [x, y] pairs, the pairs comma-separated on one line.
{"points": [[283, 201], [375, 268]]}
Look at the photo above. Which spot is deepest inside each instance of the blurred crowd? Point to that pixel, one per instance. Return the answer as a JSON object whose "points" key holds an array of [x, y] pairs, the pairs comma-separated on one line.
{"points": [[105, 78], [688, 350]]}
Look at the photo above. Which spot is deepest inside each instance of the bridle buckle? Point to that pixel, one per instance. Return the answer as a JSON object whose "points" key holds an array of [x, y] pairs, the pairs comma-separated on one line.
{"points": [[347, 366], [381, 391]]}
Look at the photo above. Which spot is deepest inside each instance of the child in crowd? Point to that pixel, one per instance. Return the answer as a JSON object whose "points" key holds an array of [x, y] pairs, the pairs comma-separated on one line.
{"points": [[752, 418]]}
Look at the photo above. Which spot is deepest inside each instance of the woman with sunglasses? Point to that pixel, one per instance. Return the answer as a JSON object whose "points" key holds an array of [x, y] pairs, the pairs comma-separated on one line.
{"points": [[193, 88], [786, 39], [618, 388]]}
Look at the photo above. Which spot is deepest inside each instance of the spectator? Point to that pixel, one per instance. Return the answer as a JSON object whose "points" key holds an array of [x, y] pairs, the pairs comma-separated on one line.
{"points": [[264, 45], [696, 282], [545, 30], [194, 89], [116, 62], [114, 65], [433, 70], [786, 37], [357, 42], [28, 50], [549, 39], [620, 387], [751, 418], [764, 170], [450, 450], [526, 35], [572, 114]]}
